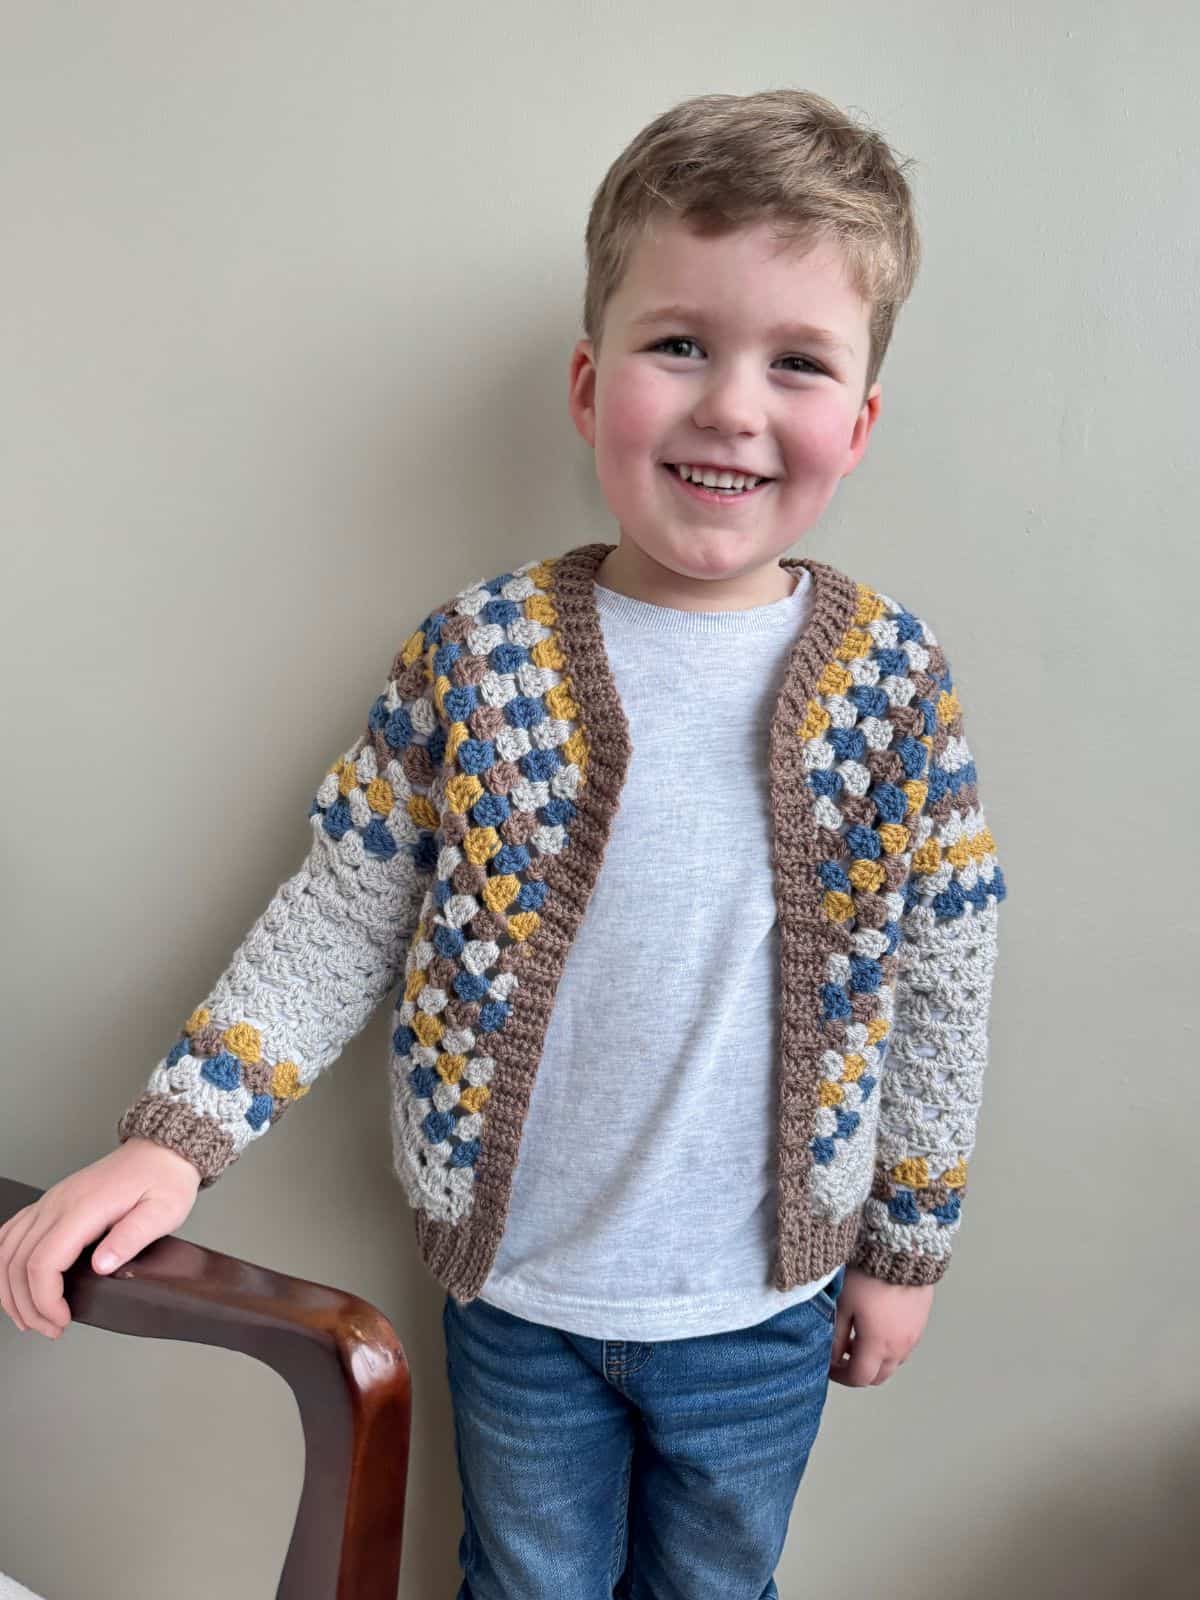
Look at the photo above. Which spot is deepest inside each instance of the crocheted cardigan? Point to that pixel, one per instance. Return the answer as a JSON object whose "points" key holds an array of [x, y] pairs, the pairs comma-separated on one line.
{"points": [[454, 849]]}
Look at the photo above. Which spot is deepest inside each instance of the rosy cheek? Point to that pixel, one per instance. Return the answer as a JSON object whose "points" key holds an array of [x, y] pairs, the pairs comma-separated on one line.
{"points": [[822, 438], [631, 409]]}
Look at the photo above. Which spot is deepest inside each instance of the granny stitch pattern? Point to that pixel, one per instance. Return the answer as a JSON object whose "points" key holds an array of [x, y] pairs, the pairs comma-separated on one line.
{"points": [[454, 849], [515, 758], [910, 866]]}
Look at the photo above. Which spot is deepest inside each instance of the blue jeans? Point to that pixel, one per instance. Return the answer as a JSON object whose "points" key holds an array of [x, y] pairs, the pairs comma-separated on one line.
{"points": [[605, 1469]]}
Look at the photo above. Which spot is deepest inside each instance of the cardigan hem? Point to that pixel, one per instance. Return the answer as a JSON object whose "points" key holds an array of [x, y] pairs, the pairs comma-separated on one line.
{"points": [[826, 1246]]}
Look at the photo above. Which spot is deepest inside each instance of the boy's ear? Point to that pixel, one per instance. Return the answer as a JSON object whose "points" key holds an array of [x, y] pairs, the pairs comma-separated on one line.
{"points": [[581, 390], [863, 424]]}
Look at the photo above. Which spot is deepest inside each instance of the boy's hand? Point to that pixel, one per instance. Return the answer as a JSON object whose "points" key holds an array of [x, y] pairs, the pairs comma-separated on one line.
{"points": [[888, 1319], [134, 1195]]}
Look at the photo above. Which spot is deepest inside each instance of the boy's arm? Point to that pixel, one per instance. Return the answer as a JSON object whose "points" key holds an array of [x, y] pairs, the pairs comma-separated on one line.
{"points": [[932, 1077], [324, 952]]}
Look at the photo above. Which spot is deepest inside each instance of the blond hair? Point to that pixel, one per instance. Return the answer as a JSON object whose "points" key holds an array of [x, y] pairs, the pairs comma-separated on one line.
{"points": [[787, 157]]}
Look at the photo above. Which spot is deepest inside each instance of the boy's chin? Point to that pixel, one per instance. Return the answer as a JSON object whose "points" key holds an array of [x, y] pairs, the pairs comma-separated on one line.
{"points": [[708, 557], [750, 576]]}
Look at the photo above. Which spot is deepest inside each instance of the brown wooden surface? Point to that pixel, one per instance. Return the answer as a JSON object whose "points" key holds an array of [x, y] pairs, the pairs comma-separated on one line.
{"points": [[339, 1355]]}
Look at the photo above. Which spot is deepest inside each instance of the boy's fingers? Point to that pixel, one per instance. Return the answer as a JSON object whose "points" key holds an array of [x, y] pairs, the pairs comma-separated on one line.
{"points": [[18, 1278], [46, 1279], [8, 1301], [841, 1340], [46, 1253], [47, 1257], [15, 1230]]}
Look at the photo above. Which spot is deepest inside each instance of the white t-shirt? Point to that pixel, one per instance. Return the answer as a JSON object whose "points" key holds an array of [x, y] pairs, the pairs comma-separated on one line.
{"points": [[643, 1203]]}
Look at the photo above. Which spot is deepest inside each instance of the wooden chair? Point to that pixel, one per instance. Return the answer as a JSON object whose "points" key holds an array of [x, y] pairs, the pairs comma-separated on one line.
{"points": [[339, 1355]]}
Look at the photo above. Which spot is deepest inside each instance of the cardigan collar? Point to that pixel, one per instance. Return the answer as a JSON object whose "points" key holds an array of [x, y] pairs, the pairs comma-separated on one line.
{"points": [[832, 611]]}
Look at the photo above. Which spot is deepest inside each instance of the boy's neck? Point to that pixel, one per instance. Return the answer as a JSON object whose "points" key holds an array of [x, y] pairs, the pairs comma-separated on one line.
{"points": [[628, 571]]}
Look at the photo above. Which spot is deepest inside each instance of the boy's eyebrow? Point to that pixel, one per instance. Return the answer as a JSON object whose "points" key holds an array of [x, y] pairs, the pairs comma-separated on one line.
{"points": [[804, 332]]}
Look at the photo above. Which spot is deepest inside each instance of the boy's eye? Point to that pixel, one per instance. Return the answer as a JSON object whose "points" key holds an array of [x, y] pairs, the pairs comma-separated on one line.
{"points": [[662, 343], [680, 339]]}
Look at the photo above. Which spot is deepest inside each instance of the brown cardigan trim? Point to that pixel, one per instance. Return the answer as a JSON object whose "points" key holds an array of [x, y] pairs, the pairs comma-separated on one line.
{"points": [[806, 1247], [461, 1255]]}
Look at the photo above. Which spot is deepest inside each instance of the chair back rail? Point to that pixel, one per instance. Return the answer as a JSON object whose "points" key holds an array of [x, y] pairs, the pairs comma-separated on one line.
{"points": [[338, 1354]]}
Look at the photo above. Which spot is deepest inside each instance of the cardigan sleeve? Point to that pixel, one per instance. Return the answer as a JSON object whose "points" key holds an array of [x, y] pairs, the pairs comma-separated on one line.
{"points": [[324, 952], [933, 1071]]}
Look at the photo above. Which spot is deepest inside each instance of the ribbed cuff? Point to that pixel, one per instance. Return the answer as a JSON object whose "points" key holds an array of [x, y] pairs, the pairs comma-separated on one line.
{"points": [[896, 1266], [177, 1127]]}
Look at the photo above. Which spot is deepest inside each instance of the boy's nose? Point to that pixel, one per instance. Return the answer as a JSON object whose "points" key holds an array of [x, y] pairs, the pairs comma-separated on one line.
{"points": [[731, 404]]}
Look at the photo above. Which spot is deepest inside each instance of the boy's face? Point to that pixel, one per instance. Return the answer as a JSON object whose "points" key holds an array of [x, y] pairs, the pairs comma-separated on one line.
{"points": [[738, 393]]}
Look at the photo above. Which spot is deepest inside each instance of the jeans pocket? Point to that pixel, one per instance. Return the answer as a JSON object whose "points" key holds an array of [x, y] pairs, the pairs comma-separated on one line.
{"points": [[824, 1303], [825, 1300]]}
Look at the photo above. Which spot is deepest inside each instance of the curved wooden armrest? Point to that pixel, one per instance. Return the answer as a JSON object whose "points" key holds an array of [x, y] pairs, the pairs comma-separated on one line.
{"points": [[339, 1355]]}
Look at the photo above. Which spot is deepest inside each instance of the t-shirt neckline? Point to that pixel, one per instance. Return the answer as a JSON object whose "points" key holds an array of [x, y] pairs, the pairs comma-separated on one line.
{"points": [[774, 615]]}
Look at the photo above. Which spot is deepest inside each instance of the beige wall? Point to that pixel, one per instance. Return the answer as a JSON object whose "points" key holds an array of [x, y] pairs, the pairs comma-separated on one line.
{"points": [[289, 292]]}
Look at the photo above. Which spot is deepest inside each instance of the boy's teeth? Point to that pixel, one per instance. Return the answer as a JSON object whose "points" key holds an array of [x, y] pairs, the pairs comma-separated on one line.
{"points": [[716, 480]]}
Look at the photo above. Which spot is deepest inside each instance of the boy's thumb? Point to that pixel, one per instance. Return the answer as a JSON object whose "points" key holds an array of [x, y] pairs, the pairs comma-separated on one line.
{"points": [[119, 1245], [140, 1226]]}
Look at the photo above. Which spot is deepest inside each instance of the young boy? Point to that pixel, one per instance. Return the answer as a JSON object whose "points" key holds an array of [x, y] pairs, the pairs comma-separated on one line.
{"points": [[673, 853]]}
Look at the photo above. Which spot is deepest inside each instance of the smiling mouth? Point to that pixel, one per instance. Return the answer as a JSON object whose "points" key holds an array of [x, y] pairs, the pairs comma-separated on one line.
{"points": [[711, 493]]}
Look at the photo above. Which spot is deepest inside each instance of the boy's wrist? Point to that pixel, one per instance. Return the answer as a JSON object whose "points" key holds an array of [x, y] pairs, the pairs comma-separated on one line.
{"points": [[172, 1158]]}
